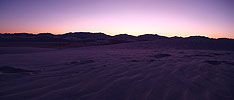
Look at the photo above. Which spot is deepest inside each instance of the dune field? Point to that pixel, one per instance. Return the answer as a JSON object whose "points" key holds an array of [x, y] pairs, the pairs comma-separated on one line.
{"points": [[128, 71]]}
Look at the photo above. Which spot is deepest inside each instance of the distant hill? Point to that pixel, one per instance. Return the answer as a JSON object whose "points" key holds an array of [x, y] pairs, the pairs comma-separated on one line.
{"points": [[78, 39], [150, 37], [78, 36]]}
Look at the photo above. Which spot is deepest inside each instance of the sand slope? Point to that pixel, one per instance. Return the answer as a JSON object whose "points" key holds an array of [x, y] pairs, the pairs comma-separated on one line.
{"points": [[117, 72]]}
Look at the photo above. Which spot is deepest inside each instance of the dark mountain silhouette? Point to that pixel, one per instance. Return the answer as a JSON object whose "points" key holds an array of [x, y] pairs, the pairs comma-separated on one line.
{"points": [[150, 37], [125, 37], [122, 38], [45, 34], [27, 37], [176, 37], [78, 39], [85, 35], [198, 37]]}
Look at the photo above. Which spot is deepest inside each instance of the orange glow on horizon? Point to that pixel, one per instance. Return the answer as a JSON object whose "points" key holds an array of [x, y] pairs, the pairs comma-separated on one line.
{"points": [[130, 33], [163, 17]]}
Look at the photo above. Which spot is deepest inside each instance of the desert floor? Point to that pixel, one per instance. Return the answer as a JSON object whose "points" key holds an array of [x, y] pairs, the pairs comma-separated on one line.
{"points": [[115, 72]]}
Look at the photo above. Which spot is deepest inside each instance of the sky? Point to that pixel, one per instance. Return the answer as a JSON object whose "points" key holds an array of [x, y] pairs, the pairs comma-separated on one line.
{"points": [[212, 18]]}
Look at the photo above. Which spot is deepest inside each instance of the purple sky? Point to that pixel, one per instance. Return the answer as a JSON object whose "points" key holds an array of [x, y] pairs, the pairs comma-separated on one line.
{"points": [[213, 18]]}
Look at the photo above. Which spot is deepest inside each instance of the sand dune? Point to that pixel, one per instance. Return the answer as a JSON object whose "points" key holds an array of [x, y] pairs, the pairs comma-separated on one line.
{"points": [[128, 71]]}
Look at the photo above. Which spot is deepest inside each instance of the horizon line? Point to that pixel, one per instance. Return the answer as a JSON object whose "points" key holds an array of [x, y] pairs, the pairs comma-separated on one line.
{"points": [[36, 33]]}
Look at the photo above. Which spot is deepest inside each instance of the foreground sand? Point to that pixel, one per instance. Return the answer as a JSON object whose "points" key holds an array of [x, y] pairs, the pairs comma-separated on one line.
{"points": [[116, 72]]}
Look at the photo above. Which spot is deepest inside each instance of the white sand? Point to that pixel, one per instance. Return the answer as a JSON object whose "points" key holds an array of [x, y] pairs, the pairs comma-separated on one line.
{"points": [[118, 72]]}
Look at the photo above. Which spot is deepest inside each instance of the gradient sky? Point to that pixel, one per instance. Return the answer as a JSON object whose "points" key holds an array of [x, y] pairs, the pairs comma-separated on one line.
{"points": [[213, 18]]}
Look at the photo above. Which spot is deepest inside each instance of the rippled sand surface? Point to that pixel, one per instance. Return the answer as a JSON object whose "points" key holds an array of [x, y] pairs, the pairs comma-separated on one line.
{"points": [[118, 72]]}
